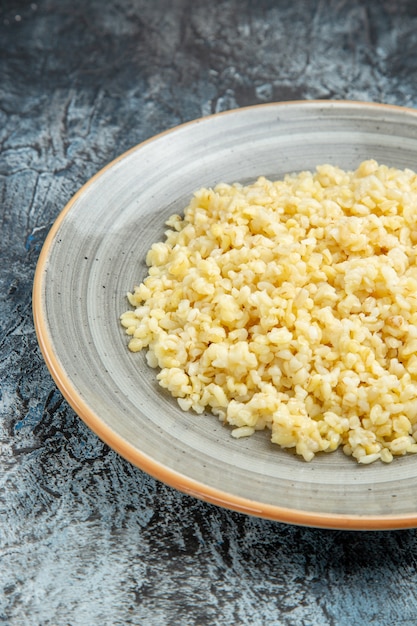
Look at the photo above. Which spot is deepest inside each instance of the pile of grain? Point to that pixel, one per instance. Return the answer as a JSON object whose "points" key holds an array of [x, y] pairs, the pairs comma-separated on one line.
{"points": [[292, 305]]}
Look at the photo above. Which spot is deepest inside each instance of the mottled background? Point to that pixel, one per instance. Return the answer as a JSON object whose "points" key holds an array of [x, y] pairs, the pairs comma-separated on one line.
{"points": [[85, 538]]}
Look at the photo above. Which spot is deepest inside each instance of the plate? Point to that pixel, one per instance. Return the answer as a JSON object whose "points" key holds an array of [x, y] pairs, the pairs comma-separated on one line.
{"points": [[94, 254]]}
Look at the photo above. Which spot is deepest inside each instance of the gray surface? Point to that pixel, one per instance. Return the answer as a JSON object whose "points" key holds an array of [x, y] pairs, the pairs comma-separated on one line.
{"points": [[85, 538]]}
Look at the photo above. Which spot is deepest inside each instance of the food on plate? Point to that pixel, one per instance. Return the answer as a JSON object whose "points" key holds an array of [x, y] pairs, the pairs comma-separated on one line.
{"points": [[291, 305]]}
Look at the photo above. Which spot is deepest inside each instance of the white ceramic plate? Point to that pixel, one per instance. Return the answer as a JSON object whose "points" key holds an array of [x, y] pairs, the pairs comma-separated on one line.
{"points": [[95, 253]]}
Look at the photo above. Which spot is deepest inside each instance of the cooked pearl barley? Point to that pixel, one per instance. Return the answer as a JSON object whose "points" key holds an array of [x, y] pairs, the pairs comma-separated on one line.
{"points": [[292, 305]]}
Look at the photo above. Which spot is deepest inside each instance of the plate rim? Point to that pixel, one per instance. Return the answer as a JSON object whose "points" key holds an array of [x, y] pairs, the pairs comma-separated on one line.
{"points": [[157, 470]]}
